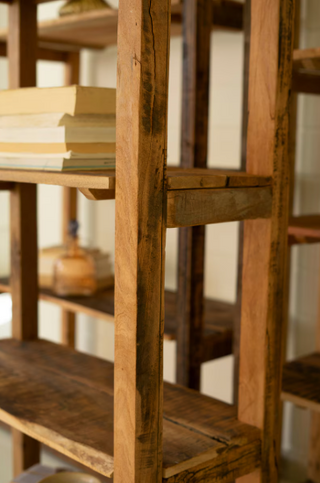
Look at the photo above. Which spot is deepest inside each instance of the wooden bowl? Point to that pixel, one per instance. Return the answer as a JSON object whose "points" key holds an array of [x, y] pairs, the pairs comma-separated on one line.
{"points": [[70, 477]]}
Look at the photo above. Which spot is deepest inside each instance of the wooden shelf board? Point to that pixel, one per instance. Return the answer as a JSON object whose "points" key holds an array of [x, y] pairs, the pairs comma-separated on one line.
{"points": [[65, 400], [307, 60], [306, 71], [304, 229], [104, 180], [97, 29], [219, 316], [301, 382]]}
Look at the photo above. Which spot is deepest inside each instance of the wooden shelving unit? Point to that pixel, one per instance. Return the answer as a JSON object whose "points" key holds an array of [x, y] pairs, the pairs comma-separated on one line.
{"points": [[138, 429]]}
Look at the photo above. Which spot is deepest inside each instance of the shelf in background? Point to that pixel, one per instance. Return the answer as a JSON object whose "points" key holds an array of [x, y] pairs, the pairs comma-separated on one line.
{"points": [[304, 229], [98, 29], [218, 316], [306, 71], [301, 382], [46, 389]]}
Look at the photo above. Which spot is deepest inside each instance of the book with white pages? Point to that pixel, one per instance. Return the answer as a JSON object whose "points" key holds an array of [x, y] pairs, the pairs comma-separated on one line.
{"points": [[67, 161], [60, 134]]}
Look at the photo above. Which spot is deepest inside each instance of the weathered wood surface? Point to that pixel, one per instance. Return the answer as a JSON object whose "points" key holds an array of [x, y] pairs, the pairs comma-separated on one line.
{"points": [[265, 241], [198, 430], [301, 382], [197, 15], [22, 54], [142, 98], [304, 229], [200, 207]]}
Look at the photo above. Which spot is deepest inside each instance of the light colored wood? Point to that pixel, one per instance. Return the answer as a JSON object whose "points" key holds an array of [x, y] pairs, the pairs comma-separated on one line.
{"points": [[22, 51], [265, 241], [88, 179], [197, 429], [142, 98], [199, 207]]}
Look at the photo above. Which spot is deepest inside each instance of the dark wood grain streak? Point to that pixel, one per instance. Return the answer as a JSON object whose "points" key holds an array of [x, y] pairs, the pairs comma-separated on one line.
{"points": [[194, 147], [22, 55]]}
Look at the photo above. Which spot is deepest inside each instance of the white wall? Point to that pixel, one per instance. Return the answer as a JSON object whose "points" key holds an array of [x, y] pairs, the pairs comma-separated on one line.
{"points": [[97, 219]]}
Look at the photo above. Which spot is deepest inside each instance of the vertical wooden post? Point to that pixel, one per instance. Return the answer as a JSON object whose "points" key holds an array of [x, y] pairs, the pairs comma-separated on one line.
{"points": [[243, 163], [69, 204], [197, 23], [265, 241], [22, 51], [142, 97]]}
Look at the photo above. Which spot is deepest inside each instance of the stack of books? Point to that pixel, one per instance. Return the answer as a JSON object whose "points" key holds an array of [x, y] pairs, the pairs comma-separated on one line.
{"points": [[58, 129]]}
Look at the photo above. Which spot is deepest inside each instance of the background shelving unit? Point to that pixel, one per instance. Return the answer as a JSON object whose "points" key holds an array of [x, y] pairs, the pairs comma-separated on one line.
{"points": [[137, 428]]}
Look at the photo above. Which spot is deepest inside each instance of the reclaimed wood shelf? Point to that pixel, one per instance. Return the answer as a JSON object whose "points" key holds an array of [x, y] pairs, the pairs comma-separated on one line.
{"points": [[218, 316], [301, 382], [65, 400], [98, 29], [304, 229]]}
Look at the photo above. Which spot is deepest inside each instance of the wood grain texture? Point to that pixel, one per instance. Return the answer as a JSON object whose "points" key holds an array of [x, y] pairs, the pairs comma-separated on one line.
{"points": [[22, 55], [198, 430], [265, 241], [200, 207], [197, 15], [142, 98]]}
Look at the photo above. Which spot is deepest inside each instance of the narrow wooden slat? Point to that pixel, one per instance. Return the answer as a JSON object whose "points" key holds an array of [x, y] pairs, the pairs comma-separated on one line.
{"points": [[265, 241], [42, 53], [306, 83], [306, 59], [69, 205], [142, 97], [245, 118], [89, 179], [22, 51], [198, 207], [97, 194], [197, 16], [314, 443]]}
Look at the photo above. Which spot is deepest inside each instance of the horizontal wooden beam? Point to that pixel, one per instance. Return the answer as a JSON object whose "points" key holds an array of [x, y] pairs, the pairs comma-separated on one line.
{"points": [[202, 207]]}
